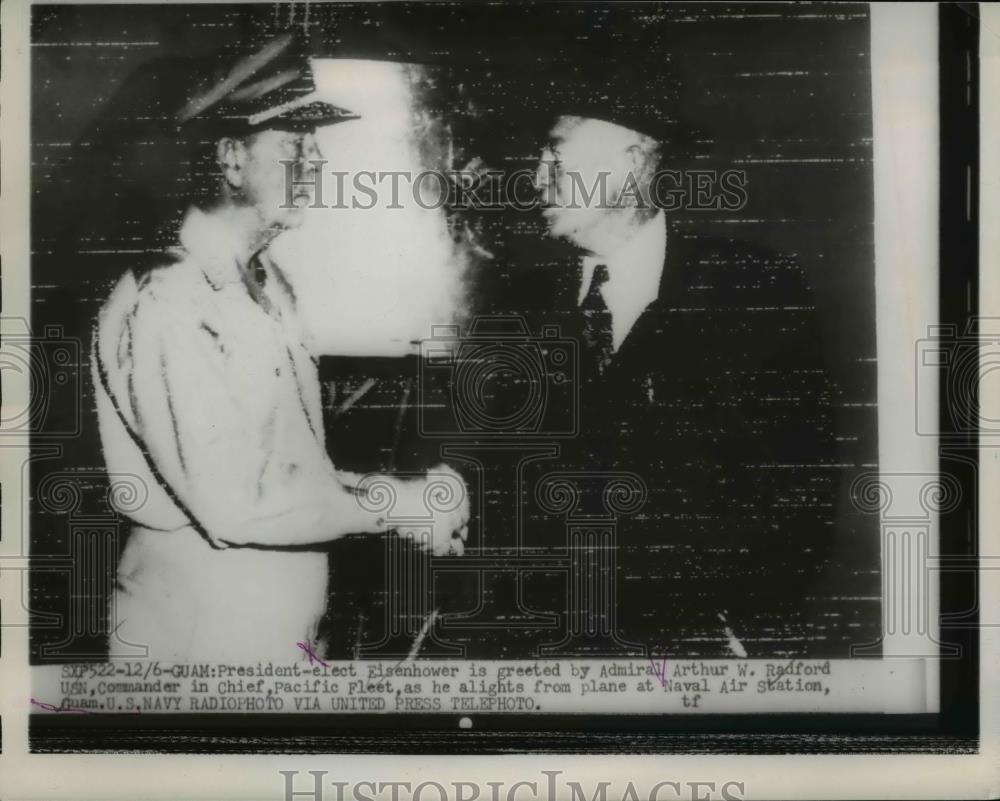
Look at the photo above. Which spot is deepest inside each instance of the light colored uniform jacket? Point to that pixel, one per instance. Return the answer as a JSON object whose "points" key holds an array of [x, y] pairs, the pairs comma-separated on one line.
{"points": [[205, 390]]}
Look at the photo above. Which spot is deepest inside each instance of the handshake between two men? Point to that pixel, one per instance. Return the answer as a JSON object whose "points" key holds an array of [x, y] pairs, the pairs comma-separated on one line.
{"points": [[431, 510]]}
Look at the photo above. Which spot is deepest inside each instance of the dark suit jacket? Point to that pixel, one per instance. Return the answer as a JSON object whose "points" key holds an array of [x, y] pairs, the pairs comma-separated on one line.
{"points": [[720, 401]]}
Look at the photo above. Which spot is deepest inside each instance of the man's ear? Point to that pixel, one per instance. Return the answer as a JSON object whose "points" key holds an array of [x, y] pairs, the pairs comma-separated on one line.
{"points": [[638, 160], [231, 155]]}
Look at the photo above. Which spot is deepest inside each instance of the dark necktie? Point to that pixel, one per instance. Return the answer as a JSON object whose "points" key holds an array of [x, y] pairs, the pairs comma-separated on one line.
{"points": [[257, 270], [596, 357], [257, 285], [597, 338]]}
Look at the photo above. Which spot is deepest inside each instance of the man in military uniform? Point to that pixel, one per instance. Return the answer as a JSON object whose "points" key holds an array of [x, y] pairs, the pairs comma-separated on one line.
{"points": [[206, 390]]}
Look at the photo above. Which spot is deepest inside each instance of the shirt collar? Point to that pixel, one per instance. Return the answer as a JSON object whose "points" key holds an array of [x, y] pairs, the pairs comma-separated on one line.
{"points": [[213, 245]]}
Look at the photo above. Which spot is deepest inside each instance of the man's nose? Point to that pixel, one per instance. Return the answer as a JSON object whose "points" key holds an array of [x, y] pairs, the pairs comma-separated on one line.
{"points": [[543, 171], [308, 152], [310, 149]]}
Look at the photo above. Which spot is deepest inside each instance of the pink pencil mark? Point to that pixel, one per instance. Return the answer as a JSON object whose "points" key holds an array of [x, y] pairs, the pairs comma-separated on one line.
{"points": [[72, 710], [313, 658], [659, 670], [54, 708]]}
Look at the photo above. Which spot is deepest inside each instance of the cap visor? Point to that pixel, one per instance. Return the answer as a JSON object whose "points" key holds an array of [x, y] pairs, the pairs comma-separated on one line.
{"points": [[315, 114]]}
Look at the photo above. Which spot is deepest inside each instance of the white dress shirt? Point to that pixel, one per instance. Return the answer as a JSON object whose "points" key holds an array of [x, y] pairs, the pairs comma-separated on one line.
{"points": [[634, 272]]}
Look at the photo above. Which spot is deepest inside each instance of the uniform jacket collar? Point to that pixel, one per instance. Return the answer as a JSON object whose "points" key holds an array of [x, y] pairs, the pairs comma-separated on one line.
{"points": [[214, 245]]}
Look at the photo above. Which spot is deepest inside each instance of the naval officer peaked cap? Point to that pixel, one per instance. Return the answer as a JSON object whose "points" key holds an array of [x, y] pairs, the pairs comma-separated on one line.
{"points": [[270, 89]]}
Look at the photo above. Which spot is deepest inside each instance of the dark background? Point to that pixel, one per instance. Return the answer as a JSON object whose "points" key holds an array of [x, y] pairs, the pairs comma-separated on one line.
{"points": [[779, 91]]}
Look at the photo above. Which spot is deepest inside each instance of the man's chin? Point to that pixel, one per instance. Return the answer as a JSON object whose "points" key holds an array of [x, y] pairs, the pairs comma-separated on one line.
{"points": [[563, 232], [553, 223]]}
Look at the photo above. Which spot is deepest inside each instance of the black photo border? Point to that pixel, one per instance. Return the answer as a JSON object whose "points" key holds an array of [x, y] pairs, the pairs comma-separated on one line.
{"points": [[953, 730]]}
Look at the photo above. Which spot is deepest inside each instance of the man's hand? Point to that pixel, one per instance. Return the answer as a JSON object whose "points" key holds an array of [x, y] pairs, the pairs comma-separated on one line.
{"points": [[441, 503]]}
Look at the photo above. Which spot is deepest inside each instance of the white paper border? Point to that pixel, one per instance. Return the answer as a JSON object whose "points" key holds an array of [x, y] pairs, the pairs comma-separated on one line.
{"points": [[909, 29]]}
